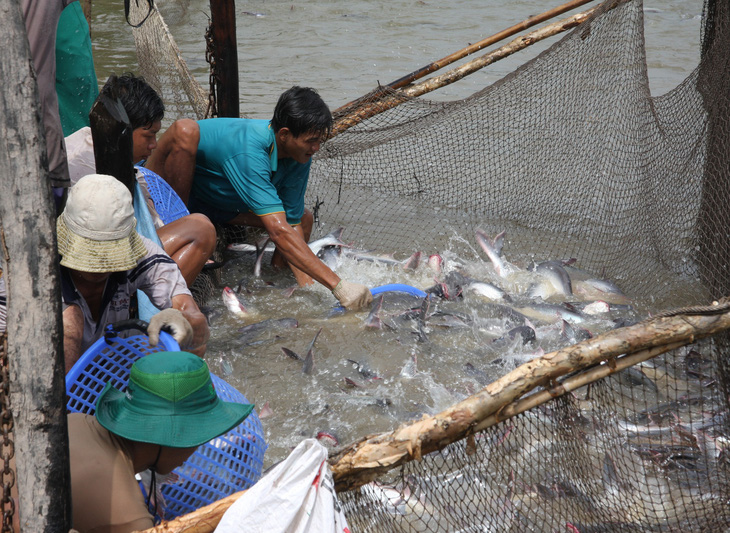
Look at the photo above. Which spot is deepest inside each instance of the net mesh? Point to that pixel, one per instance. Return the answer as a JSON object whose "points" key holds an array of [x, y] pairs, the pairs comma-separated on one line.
{"points": [[573, 157]]}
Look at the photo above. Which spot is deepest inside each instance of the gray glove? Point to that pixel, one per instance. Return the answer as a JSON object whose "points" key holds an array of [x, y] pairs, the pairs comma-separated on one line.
{"points": [[175, 322], [352, 296]]}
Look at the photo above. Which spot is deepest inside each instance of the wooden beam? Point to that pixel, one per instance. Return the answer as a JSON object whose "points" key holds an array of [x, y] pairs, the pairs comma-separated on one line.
{"points": [[28, 249], [223, 18]]}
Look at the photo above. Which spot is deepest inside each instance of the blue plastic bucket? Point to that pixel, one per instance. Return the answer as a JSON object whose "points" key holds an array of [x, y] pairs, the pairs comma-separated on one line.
{"points": [[219, 468], [167, 203]]}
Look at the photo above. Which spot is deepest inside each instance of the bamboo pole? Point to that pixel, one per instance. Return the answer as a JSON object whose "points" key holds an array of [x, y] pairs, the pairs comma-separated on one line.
{"points": [[374, 455], [203, 520], [472, 48], [388, 102], [572, 383]]}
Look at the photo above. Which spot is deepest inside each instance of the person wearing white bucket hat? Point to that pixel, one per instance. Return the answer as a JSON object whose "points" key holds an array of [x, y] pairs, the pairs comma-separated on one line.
{"points": [[104, 261]]}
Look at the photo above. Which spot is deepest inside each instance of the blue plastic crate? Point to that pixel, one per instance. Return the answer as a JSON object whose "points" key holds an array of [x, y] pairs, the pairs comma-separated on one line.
{"points": [[227, 464], [167, 203]]}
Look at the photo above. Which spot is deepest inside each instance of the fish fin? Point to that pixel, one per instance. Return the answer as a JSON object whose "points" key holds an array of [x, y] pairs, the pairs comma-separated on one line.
{"points": [[291, 354]]}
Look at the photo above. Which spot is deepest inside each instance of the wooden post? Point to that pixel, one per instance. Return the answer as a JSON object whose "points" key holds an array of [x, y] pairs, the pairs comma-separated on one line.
{"points": [[28, 249], [86, 8], [223, 18], [112, 136]]}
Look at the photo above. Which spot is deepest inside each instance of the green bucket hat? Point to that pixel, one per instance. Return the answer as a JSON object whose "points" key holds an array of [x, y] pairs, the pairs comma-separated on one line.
{"points": [[170, 401]]}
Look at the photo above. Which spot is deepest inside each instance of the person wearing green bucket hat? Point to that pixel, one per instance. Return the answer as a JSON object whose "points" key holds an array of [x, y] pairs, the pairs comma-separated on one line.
{"points": [[169, 409]]}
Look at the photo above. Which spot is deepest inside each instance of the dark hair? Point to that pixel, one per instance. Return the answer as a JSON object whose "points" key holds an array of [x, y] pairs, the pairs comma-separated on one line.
{"points": [[302, 110], [141, 102]]}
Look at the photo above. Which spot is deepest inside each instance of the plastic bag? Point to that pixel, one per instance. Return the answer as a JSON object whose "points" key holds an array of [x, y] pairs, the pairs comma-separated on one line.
{"points": [[296, 496]]}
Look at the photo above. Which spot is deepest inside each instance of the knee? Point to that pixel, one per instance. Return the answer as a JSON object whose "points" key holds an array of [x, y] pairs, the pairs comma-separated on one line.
{"points": [[205, 234]]}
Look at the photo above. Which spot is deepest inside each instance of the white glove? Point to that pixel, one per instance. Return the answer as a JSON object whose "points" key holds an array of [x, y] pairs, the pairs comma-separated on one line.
{"points": [[352, 296], [176, 323]]}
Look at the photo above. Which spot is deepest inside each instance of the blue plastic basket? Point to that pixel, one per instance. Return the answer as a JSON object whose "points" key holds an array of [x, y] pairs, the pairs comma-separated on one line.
{"points": [[227, 464], [167, 203]]}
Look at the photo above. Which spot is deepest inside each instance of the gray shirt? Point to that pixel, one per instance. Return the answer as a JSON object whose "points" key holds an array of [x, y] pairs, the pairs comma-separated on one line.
{"points": [[156, 274]]}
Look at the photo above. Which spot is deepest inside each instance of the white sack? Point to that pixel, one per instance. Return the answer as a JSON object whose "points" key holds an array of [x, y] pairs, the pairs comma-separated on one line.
{"points": [[296, 496]]}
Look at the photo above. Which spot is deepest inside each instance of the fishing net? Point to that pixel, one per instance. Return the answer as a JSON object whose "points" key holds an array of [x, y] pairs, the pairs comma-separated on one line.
{"points": [[573, 157], [162, 65]]}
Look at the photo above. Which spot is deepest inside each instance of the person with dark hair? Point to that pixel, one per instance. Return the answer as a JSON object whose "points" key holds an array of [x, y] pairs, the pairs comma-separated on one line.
{"points": [[189, 240], [254, 173], [170, 408]]}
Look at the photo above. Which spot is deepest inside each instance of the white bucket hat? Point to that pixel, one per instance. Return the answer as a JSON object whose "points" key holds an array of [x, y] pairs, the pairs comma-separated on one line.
{"points": [[96, 231]]}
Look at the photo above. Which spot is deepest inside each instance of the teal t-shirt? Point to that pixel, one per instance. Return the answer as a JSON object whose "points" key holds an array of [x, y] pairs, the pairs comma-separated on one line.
{"points": [[76, 83], [237, 169]]}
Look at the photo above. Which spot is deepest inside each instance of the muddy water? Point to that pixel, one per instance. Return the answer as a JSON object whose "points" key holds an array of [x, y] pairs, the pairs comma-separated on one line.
{"points": [[344, 48], [368, 379], [397, 373]]}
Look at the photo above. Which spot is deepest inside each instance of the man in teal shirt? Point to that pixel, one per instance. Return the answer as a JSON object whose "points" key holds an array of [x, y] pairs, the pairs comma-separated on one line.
{"points": [[238, 170], [254, 173]]}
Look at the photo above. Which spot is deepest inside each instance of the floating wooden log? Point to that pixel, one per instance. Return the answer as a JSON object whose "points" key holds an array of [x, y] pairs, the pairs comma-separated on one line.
{"points": [[374, 455], [204, 520]]}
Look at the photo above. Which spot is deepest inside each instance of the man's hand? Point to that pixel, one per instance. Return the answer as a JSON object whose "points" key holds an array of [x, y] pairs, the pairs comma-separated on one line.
{"points": [[352, 296], [179, 327]]}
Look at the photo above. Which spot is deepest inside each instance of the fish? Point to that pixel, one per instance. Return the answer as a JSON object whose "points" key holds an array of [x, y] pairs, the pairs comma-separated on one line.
{"points": [[363, 369], [328, 438], [373, 320], [525, 333], [435, 262], [294, 355], [481, 377], [554, 272], [410, 369], [408, 264], [351, 382], [331, 256], [331, 239], [233, 304], [266, 411], [251, 331], [413, 261], [260, 250], [308, 364], [227, 367], [600, 289], [551, 313], [489, 291], [574, 334], [247, 247], [493, 249], [444, 291], [449, 320], [421, 320]]}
